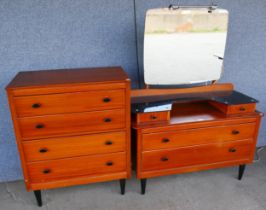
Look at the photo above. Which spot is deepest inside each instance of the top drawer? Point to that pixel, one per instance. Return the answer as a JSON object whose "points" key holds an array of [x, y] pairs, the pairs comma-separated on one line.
{"points": [[69, 102], [218, 134]]}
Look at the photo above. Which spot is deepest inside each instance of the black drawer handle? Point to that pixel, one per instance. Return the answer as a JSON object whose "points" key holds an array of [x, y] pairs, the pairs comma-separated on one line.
{"points": [[106, 100], [164, 159], [109, 163], [39, 126], [43, 150], [46, 171], [108, 143], [242, 109], [36, 105], [232, 150], [235, 132], [107, 120], [165, 140], [153, 117]]}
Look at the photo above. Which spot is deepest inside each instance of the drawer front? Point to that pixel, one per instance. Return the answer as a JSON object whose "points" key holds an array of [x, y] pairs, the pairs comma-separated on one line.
{"points": [[69, 102], [56, 125], [63, 147], [153, 117], [198, 136], [79, 166], [197, 155], [244, 108]]}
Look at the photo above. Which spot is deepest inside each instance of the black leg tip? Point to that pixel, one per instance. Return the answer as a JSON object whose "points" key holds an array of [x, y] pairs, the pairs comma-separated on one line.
{"points": [[143, 186], [122, 186], [38, 197], [241, 171]]}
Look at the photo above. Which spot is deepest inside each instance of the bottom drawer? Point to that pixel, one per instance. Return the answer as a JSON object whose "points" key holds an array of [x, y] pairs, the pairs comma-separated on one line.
{"points": [[79, 166], [196, 155]]}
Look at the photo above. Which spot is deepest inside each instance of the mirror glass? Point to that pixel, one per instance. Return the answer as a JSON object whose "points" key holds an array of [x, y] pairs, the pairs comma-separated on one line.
{"points": [[184, 45]]}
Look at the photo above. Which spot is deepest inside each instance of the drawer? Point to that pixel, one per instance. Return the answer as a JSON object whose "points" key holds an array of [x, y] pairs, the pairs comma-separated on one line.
{"points": [[56, 125], [63, 147], [206, 135], [69, 102], [152, 117], [234, 109], [79, 166], [197, 155], [244, 108]]}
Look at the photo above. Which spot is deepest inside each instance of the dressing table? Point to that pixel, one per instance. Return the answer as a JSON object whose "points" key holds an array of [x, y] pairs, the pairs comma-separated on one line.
{"points": [[184, 121], [205, 128]]}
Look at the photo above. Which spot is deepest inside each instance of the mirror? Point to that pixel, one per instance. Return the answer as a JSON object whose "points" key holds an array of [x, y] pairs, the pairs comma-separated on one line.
{"points": [[184, 45]]}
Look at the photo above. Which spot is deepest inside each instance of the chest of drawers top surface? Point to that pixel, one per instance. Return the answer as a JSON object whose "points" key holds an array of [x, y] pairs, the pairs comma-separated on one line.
{"points": [[67, 77]]}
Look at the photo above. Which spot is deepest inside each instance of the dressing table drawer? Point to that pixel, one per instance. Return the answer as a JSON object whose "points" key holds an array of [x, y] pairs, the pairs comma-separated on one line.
{"points": [[198, 136], [79, 166], [197, 155], [56, 125], [151, 117], [234, 109], [69, 102], [54, 148], [243, 108]]}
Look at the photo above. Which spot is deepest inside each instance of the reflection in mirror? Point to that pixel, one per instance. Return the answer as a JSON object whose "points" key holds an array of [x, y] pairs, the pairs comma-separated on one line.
{"points": [[184, 46]]}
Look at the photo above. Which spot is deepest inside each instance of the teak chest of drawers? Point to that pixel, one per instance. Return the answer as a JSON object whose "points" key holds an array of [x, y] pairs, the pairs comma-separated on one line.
{"points": [[72, 126], [194, 136]]}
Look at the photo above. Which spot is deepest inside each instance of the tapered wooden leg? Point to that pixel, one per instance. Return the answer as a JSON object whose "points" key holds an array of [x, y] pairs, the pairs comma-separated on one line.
{"points": [[241, 171], [38, 197], [122, 186], [143, 186]]}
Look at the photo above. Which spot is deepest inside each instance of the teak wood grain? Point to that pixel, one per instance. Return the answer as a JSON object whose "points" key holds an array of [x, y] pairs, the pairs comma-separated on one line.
{"points": [[152, 117], [76, 166], [70, 88], [207, 135], [146, 95], [85, 122], [66, 77], [234, 109], [187, 156], [72, 122], [71, 146], [69, 102], [78, 180]]}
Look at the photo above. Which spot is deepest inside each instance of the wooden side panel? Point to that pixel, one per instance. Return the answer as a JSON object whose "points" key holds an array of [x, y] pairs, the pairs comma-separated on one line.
{"points": [[54, 148], [18, 139], [128, 128], [56, 125], [69, 102]]}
